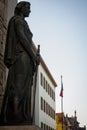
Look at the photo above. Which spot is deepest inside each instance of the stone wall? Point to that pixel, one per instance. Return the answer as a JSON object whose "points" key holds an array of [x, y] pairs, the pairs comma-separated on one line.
{"points": [[6, 11], [11, 6], [3, 28]]}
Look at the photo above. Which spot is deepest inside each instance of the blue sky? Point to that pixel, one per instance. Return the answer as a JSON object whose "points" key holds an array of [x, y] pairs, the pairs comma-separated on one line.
{"points": [[60, 27]]}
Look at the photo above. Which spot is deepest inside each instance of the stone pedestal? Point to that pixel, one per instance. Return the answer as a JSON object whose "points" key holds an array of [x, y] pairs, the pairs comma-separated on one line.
{"points": [[24, 127]]}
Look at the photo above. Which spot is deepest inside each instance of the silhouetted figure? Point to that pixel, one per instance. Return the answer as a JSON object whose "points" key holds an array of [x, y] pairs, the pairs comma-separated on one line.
{"points": [[21, 62]]}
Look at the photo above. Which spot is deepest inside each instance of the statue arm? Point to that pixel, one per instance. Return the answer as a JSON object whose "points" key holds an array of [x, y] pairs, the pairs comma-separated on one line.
{"points": [[23, 38]]}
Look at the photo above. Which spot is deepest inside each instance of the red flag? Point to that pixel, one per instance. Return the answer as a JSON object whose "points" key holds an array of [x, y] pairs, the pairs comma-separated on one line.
{"points": [[61, 92]]}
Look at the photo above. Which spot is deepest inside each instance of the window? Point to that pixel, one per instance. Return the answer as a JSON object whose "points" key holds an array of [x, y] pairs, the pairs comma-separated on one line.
{"points": [[44, 106], [41, 79], [54, 96], [46, 86], [47, 127], [44, 83], [47, 108], [41, 103], [42, 125], [51, 111], [50, 92], [54, 114]]}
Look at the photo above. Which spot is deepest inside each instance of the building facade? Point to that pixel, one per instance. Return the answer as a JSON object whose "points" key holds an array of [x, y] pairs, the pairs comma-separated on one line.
{"points": [[59, 121], [67, 123], [45, 99]]}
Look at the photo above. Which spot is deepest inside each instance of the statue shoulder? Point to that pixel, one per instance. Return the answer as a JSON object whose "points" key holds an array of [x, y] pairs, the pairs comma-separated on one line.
{"points": [[12, 20], [18, 20]]}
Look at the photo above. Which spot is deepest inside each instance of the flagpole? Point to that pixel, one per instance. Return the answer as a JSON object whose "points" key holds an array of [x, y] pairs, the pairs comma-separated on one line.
{"points": [[62, 110], [61, 94]]}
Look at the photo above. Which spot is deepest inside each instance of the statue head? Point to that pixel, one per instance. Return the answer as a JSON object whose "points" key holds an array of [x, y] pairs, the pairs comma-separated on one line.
{"points": [[22, 8]]}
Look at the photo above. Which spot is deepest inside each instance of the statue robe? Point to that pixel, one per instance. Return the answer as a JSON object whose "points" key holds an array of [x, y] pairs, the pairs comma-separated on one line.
{"points": [[20, 60]]}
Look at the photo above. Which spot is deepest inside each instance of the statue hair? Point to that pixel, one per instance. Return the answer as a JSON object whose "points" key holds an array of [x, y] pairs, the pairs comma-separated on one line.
{"points": [[19, 6]]}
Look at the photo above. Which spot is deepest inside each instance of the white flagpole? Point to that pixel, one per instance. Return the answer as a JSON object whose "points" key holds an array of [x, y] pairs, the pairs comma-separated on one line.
{"points": [[62, 100]]}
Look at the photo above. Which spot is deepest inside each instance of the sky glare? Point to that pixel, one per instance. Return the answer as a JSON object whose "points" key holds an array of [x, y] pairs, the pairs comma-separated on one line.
{"points": [[60, 27]]}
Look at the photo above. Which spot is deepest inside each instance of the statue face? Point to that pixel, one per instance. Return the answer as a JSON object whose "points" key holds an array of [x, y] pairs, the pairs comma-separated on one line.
{"points": [[26, 10]]}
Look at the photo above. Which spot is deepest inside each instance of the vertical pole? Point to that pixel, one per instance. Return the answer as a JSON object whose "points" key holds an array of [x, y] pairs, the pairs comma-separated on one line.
{"points": [[62, 110], [35, 84], [62, 101]]}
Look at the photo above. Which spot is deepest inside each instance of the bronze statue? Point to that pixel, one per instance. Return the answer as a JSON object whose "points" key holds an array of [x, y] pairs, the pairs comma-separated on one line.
{"points": [[21, 62]]}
